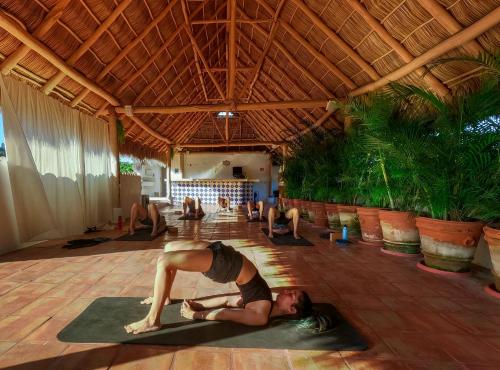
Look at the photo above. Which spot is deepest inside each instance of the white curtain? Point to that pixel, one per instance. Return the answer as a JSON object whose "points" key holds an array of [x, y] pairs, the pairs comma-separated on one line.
{"points": [[49, 148]]}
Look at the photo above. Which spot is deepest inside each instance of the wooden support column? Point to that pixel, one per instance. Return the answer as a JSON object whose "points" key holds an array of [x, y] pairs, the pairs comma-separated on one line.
{"points": [[50, 19], [115, 161], [270, 174], [227, 127]]}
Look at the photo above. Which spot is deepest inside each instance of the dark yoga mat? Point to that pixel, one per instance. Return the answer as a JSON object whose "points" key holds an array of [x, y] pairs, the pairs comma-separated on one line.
{"points": [[264, 219], [103, 321], [140, 235], [190, 218], [287, 239], [82, 243]]}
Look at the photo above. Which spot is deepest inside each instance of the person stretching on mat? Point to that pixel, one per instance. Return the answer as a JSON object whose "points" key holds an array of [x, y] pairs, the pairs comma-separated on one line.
{"points": [[191, 208], [221, 264], [279, 225], [255, 210], [223, 203], [147, 218]]}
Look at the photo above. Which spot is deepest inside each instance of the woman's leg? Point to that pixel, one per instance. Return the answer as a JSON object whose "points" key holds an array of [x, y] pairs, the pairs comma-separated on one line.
{"points": [[260, 205], [249, 208], [155, 216], [137, 211], [293, 213], [168, 263], [271, 215]]}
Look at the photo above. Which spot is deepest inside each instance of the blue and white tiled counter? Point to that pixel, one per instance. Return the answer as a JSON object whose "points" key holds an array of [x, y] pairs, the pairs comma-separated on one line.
{"points": [[240, 191]]}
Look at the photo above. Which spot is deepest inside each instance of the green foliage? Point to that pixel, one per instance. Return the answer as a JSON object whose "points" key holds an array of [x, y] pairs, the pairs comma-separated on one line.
{"points": [[126, 168]]}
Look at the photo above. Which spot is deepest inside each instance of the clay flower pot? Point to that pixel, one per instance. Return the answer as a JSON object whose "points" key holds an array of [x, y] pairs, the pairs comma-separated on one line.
{"points": [[492, 236], [319, 214], [371, 232], [332, 213], [448, 245], [349, 217], [400, 234]]}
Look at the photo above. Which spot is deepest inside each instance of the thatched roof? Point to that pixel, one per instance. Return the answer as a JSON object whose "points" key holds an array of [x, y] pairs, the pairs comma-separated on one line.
{"points": [[161, 57]]}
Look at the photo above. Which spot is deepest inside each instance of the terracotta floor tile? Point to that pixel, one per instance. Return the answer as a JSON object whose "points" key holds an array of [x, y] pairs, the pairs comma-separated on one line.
{"points": [[18, 327], [86, 278], [30, 356], [54, 277], [48, 330], [85, 357], [32, 289], [201, 359], [416, 347], [476, 324], [316, 360], [5, 346], [73, 309], [429, 322], [6, 286], [101, 290], [68, 289], [374, 363], [468, 349], [434, 365], [44, 306], [10, 303], [131, 357], [259, 359]]}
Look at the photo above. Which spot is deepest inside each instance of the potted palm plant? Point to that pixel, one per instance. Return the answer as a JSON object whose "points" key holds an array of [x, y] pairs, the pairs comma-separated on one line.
{"points": [[459, 175]]}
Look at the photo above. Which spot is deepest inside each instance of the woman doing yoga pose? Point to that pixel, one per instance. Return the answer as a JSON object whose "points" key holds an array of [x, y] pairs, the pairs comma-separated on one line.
{"points": [[221, 264]]}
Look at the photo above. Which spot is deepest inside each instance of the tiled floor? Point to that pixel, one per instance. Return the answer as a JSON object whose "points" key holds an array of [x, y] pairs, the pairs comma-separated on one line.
{"points": [[412, 319]]}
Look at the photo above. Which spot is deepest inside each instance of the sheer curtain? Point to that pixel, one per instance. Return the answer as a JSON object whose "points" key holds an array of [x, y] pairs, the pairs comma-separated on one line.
{"points": [[59, 164]]}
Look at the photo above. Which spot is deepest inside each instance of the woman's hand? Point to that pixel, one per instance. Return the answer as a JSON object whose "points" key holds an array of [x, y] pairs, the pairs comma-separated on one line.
{"points": [[186, 311], [196, 306]]}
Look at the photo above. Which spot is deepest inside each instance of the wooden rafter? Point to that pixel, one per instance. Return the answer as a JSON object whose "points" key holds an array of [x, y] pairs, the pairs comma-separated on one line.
{"points": [[7, 23], [59, 76], [226, 107], [242, 143], [291, 59], [225, 21], [269, 41], [198, 54], [405, 55], [467, 34], [440, 14], [124, 52], [311, 49], [50, 19], [231, 68], [341, 44]]}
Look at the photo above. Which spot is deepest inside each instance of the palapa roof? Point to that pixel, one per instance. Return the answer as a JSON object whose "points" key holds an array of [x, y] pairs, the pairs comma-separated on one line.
{"points": [[162, 57]]}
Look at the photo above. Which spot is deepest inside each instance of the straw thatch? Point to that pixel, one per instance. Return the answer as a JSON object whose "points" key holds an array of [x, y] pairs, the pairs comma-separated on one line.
{"points": [[142, 53]]}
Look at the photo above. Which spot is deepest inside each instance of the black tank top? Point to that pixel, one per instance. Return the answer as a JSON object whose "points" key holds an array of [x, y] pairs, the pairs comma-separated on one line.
{"points": [[255, 290]]}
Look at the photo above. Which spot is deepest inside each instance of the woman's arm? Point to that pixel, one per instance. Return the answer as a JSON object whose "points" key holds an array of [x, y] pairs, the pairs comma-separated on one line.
{"points": [[239, 315], [224, 301]]}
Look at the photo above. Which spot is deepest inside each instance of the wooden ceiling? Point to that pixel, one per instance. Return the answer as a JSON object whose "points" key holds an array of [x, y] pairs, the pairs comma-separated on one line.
{"points": [[166, 68]]}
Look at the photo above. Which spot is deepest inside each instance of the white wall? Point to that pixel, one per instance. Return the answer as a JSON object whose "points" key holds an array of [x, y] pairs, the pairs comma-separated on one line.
{"points": [[207, 165], [8, 232]]}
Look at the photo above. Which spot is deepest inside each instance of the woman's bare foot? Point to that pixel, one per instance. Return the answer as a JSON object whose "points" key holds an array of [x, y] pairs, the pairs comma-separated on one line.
{"points": [[149, 300], [296, 236], [196, 306], [143, 326]]}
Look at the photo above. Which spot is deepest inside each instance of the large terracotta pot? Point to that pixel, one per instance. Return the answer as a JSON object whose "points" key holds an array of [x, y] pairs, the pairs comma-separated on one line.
{"points": [[318, 210], [400, 234], [448, 245], [332, 213], [371, 232], [349, 217], [492, 236]]}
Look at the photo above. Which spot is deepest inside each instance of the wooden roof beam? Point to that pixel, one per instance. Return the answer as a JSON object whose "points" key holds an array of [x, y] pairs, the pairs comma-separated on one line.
{"points": [[146, 128], [12, 27], [126, 50], [405, 55], [231, 68], [225, 21], [291, 59], [342, 45], [467, 34], [198, 53], [269, 41], [307, 45], [222, 145], [59, 76], [228, 107], [50, 19], [449, 23]]}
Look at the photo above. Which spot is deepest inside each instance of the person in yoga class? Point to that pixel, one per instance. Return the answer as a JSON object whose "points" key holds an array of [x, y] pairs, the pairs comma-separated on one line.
{"points": [[279, 224], [223, 203], [191, 208], [255, 210], [146, 218], [222, 264]]}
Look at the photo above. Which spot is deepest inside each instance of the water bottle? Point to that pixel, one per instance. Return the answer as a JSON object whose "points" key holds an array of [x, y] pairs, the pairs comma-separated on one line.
{"points": [[344, 232]]}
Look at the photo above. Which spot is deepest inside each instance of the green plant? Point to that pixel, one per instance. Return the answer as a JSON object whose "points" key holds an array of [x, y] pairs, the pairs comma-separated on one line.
{"points": [[460, 170], [126, 168]]}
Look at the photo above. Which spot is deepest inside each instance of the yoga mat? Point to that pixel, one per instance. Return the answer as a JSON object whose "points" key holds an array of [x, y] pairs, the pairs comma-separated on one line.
{"points": [[82, 243], [264, 219], [190, 218], [287, 239], [103, 321], [140, 235]]}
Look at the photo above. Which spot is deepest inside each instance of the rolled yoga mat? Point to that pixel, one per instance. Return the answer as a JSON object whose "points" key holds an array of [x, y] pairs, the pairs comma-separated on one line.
{"points": [[287, 239], [140, 235], [104, 319]]}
